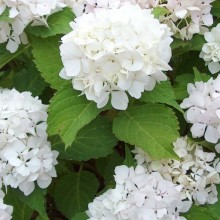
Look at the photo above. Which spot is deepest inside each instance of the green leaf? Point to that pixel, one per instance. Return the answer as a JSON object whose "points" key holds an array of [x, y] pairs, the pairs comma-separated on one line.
{"points": [[129, 159], [21, 211], [68, 113], [29, 80], [200, 76], [178, 43], [39, 217], [159, 11], [74, 191], [195, 44], [216, 9], [106, 166], [200, 213], [162, 93], [180, 85], [58, 23], [5, 15], [6, 56], [92, 141], [47, 59], [152, 127], [80, 216], [36, 200], [7, 79]]}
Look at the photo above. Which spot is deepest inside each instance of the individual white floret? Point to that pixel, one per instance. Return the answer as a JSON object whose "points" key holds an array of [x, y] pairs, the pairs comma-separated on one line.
{"points": [[114, 53], [138, 196], [25, 153], [211, 50], [197, 171], [203, 109]]}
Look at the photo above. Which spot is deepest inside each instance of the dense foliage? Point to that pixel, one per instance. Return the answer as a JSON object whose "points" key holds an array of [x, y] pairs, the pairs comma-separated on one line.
{"points": [[109, 110]]}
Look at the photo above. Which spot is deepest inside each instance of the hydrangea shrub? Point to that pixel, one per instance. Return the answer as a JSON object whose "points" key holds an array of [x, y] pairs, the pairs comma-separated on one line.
{"points": [[109, 110]]}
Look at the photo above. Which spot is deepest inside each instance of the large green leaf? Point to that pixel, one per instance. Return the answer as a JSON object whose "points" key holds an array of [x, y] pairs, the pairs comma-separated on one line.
{"points": [[29, 79], [40, 217], [6, 56], [47, 59], [216, 9], [58, 23], [7, 79], [92, 141], [36, 200], [162, 93], [200, 213], [21, 211], [180, 85], [80, 216], [152, 127], [106, 166], [200, 76], [68, 113], [177, 43], [74, 191], [195, 44]]}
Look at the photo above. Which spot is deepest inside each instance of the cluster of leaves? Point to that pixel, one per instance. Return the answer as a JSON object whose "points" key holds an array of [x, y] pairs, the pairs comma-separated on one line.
{"points": [[92, 141]]}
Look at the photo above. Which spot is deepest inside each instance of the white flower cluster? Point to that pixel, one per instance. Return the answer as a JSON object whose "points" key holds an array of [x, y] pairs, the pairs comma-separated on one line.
{"points": [[188, 17], [203, 109], [211, 50], [25, 153], [111, 52], [20, 14], [197, 171], [139, 196], [5, 210]]}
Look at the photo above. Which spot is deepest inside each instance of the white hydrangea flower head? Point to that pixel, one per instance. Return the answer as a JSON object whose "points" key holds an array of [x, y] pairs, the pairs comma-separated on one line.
{"points": [[25, 153], [20, 115], [114, 52], [22, 13], [197, 171], [5, 210], [203, 109], [188, 17], [139, 196], [211, 50]]}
